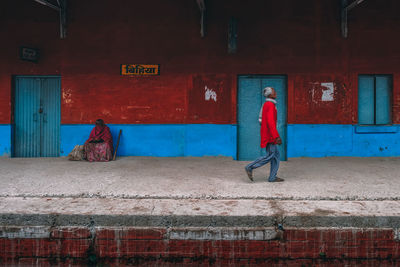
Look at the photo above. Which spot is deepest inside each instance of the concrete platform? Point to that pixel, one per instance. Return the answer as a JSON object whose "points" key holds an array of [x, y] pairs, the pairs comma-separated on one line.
{"points": [[211, 191], [201, 178]]}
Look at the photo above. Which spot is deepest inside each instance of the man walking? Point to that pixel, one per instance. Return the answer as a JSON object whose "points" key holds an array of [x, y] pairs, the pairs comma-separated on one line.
{"points": [[269, 137]]}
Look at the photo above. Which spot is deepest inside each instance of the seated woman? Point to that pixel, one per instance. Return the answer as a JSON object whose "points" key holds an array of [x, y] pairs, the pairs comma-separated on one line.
{"points": [[99, 146]]}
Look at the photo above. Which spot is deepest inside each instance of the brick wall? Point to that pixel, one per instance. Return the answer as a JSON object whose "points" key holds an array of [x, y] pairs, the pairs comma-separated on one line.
{"points": [[110, 246]]}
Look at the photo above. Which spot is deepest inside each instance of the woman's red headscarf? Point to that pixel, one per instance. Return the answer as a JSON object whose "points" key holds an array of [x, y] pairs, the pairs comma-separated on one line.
{"points": [[101, 131]]}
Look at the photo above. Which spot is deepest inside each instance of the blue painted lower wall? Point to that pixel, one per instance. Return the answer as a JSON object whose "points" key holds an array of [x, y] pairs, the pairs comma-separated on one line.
{"points": [[303, 140], [325, 140], [5, 140], [162, 140]]}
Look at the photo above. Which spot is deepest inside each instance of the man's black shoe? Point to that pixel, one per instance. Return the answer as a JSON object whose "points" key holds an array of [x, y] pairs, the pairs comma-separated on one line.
{"points": [[249, 173], [277, 180]]}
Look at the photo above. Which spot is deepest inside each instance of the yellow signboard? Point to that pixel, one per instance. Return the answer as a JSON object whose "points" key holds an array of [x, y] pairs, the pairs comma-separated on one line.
{"points": [[140, 69]]}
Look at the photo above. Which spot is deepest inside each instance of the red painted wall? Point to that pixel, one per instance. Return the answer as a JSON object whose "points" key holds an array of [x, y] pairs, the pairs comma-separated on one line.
{"points": [[301, 40]]}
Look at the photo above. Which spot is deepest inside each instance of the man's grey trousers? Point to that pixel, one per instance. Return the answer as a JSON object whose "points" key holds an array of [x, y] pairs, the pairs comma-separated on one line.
{"points": [[272, 156]]}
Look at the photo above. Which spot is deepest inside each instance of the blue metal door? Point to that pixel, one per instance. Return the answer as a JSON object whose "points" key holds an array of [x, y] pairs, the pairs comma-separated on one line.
{"points": [[383, 84], [250, 100], [27, 118], [37, 116], [366, 100]]}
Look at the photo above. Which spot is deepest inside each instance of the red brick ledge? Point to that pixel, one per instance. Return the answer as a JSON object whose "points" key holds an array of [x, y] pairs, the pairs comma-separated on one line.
{"points": [[189, 246]]}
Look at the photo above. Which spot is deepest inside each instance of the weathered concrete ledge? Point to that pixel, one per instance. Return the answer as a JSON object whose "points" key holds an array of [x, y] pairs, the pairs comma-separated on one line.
{"points": [[197, 232], [197, 213]]}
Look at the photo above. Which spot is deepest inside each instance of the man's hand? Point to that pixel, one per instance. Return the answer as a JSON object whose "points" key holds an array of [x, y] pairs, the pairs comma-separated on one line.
{"points": [[278, 141]]}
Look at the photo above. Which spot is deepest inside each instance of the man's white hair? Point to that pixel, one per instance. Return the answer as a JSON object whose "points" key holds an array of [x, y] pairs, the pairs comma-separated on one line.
{"points": [[267, 91]]}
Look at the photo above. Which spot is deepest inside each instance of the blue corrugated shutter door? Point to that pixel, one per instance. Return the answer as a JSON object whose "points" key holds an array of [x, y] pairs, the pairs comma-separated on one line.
{"points": [[249, 103], [27, 117], [250, 100], [50, 96], [37, 117]]}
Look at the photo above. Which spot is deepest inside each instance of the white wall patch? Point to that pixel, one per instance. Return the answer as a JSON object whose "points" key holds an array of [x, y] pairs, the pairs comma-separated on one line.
{"points": [[328, 91], [322, 91], [210, 94]]}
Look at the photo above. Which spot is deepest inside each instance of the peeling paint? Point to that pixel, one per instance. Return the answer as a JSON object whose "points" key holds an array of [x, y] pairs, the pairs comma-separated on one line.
{"points": [[25, 232], [210, 94], [222, 234], [397, 234], [322, 91], [106, 112], [322, 99], [210, 99], [138, 107], [67, 96], [328, 93]]}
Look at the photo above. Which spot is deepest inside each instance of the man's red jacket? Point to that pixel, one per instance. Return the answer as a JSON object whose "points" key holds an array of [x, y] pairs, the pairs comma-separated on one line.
{"points": [[268, 131]]}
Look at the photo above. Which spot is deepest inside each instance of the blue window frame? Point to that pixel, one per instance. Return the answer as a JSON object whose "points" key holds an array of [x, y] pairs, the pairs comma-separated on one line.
{"points": [[374, 99]]}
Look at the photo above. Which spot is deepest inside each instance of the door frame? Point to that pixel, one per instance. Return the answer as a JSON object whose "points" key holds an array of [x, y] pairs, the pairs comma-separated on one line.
{"points": [[238, 76], [13, 89]]}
